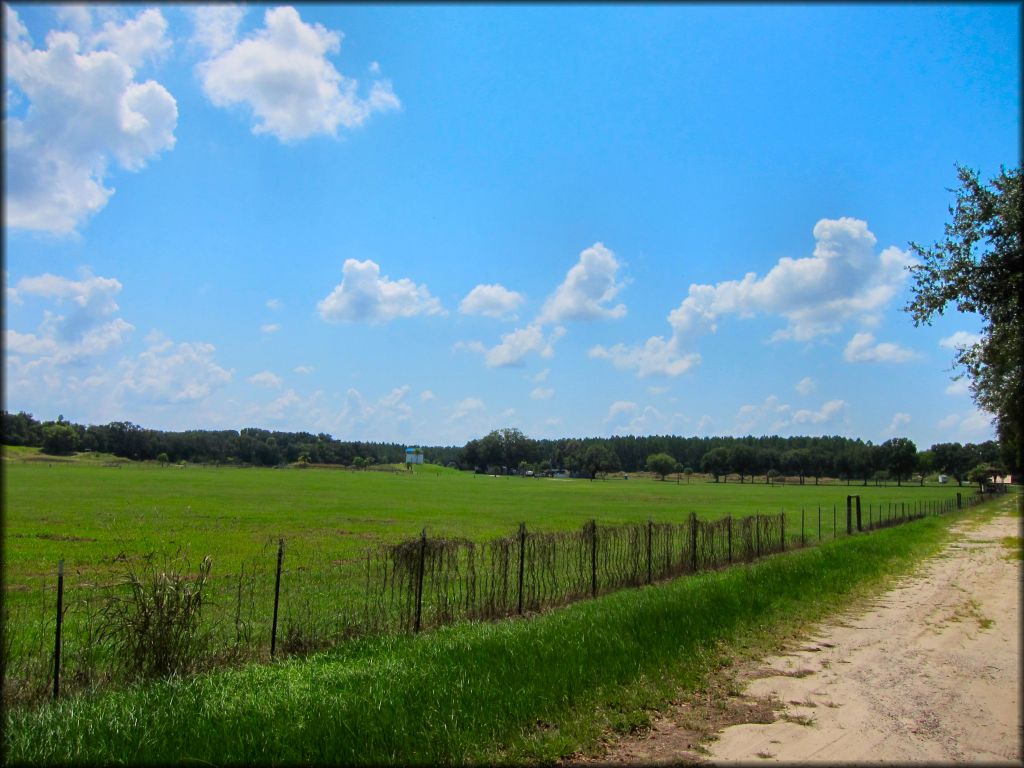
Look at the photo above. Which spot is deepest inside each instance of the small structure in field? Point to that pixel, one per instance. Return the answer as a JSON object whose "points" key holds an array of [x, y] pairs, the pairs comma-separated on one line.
{"points": [[413, 455]]}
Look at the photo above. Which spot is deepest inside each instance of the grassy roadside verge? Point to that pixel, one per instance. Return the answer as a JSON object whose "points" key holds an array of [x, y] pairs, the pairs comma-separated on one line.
{"points": [[516, 690]]}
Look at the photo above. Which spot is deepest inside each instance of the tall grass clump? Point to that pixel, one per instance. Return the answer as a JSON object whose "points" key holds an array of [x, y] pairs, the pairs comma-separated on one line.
{"points": [[513, 690]]}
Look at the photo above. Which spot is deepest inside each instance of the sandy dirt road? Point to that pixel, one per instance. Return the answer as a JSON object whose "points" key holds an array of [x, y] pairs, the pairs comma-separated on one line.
{"points": [[928, 672]]}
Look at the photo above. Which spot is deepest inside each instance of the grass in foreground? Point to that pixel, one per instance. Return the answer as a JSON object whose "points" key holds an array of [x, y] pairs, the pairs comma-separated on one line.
{"points": [[516, 691]]}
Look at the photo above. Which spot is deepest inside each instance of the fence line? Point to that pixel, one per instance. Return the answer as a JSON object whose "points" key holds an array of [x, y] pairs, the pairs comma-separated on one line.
{"points": [[427, 582]]}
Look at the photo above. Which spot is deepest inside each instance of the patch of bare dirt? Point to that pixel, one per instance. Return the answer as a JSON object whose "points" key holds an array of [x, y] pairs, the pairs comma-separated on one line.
{"points": [[927, 672]]}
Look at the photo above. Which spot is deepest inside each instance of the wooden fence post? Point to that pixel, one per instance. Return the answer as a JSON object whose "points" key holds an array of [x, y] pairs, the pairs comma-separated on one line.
{"points": [[60, 621], [522, 560], [849, 515], [819, 523], [419, 580], [277, 597], [730, 538], [803, 541], [782, 535], [859, 526], [959, 501]]}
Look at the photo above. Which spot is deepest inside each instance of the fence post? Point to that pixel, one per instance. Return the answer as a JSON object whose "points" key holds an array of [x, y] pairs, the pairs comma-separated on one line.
{"points": [[419, 580], [803, 541], [819, 523], [849, 515], [859, 526], [782, 535], [522, 558], [693, 542], [593, 558], [757, 534], [60, 621], [959, 501], [650, 532], [730, 539], [833, 522], [277, 597]]}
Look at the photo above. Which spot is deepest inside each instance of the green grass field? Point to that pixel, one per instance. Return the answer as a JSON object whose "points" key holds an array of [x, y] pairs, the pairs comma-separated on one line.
{"points": [[88, 513], [102, 516], [516, 691]]}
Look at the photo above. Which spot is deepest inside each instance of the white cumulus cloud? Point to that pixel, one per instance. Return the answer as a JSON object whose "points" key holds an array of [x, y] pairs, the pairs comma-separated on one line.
{"points": [[842, 281], [365, 296], [491, 301], [960, 340], [85, 112], [899, 420], [588, 289], [215, 27], [542, 393], [266, 379], [862, 348], [283, 75], [519, 343], [169, 372], [806, 385]]}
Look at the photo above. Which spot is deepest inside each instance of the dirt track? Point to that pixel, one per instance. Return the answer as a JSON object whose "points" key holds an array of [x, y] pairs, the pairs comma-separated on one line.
{"points": [[930, 672]]}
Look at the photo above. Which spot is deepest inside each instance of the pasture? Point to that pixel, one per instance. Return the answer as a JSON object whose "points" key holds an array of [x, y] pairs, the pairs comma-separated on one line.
{"points": [[108, 520]]}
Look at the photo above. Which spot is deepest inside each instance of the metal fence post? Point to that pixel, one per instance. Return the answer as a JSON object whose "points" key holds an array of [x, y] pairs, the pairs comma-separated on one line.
{"points": [[522, 559], [277, 597], [650, 533], [593, 558], [60, 621], [419, 580], [693, 542]]}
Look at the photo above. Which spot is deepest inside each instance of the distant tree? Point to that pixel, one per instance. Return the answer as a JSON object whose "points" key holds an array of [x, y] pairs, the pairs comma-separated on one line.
{"points": [[688, 472], [925, 465], [599, 458], [742, 460], [979, 266], [59, 438], [661, 464], [900, 455], [771, 475], [983, 473], [715, 462], [163, 458]]}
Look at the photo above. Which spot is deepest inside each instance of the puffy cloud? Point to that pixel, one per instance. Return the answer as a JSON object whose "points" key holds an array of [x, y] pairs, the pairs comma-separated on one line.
{"points": [[282, 73], [899, 420], [974, 426], [426, 396], [274, 304], [519, 343], [589, 286], [806, 385], [365, 296], [270, 328], [542, 393], [215, 27], [960, 340], [774, 416], [843, 280], [464, 408], [657, 357], [86, 332], [862, 348], [304, 369], [827, 412], [491, 301], [620, 407], [537, 378], [628, 418], [85, 110], [173, 373], [266, 379], [959, 387]]}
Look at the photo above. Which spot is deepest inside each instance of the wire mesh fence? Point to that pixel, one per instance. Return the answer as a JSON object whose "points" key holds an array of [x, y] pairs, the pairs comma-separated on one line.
{"points": [[170, 616]]}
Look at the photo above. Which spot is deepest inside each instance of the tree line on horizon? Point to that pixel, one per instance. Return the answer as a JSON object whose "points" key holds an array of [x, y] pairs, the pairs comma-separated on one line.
{"points": [[509, 450]]}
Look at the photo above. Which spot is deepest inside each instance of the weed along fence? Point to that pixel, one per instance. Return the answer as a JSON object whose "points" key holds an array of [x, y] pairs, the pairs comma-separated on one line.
{"points": [[165, 617], [428, 582]]}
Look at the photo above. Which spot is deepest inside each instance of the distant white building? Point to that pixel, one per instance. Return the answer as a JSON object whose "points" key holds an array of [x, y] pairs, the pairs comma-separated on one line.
{"points": [[413, 455]]}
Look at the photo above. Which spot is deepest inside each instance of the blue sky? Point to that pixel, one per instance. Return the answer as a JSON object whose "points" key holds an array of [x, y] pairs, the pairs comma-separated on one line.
{"points": [[420, 223]]}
